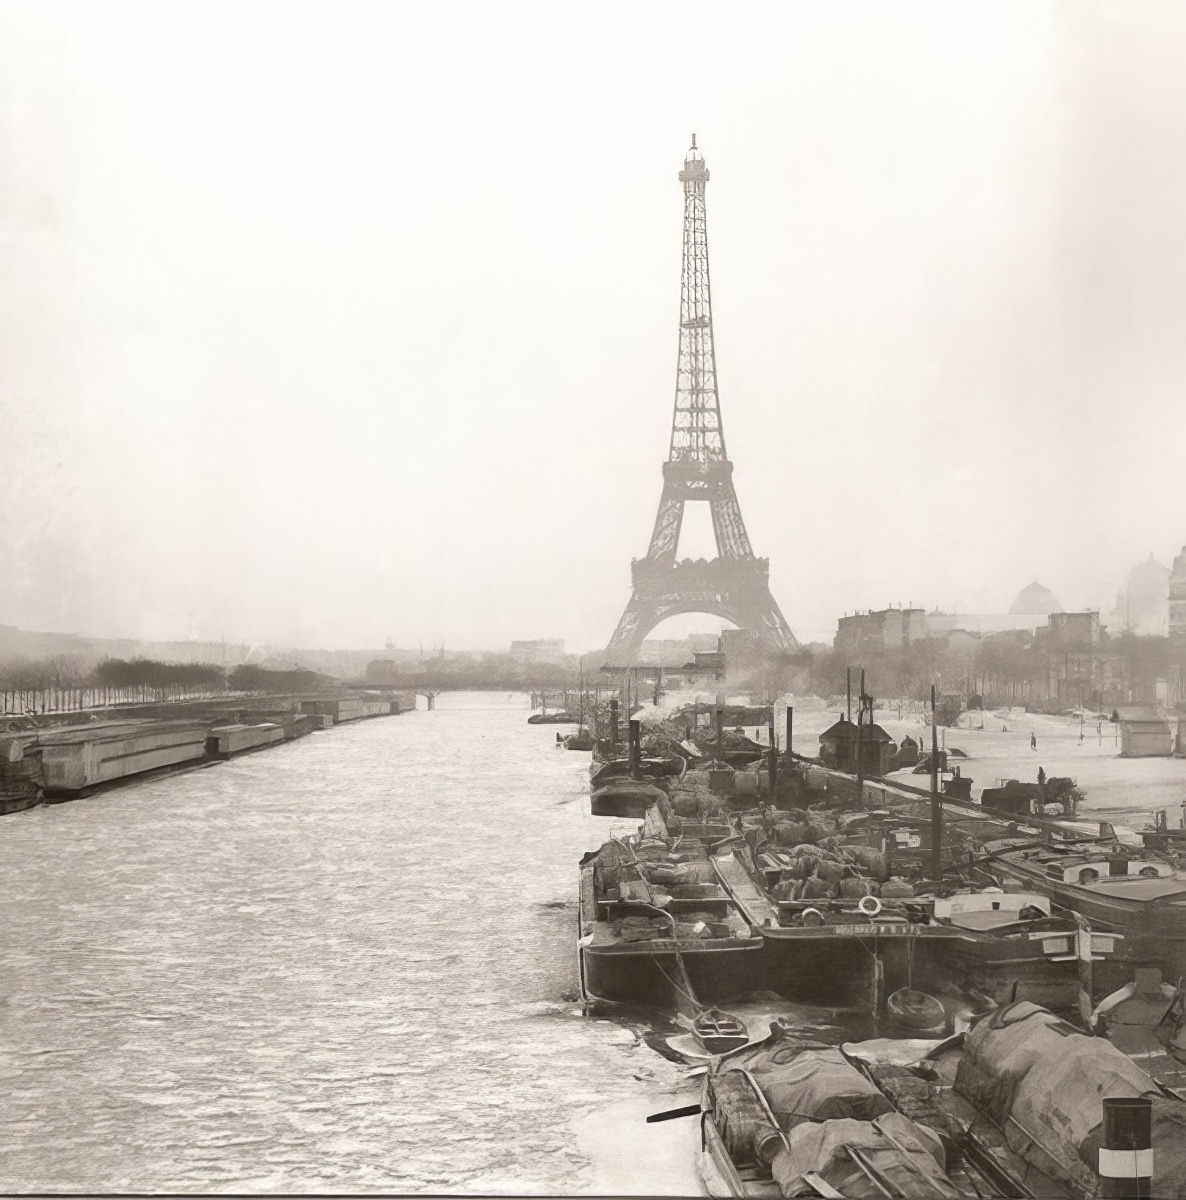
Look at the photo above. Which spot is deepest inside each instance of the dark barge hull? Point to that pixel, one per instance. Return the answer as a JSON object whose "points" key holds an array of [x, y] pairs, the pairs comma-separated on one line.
{"points": [[826, 967], [648, 973], [1009, 969], [1154, 933], [842, 964]]}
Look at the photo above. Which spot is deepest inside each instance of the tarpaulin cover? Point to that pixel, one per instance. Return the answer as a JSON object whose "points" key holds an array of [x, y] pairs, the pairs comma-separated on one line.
{"points": [[865, 1160], [1043, 1083], [805, 1080]]}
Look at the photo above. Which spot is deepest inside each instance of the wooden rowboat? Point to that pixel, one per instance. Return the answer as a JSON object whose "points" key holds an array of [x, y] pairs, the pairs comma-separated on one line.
{"points": [[719, 1032]]}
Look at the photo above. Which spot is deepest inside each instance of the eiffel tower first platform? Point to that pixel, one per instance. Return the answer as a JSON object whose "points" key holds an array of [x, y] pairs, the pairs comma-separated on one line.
{"points": [[734, 585]]}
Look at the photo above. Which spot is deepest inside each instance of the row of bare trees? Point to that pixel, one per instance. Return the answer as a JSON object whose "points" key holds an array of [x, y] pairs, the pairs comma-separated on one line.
{"points": [[66, 684]]}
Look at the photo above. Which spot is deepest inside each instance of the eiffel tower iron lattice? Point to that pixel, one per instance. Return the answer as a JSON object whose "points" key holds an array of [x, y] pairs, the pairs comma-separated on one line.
{"points": [[736, 584]]}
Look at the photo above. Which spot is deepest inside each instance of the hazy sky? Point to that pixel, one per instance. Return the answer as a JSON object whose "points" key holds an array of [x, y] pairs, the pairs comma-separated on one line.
{"points": [[323, 324]]}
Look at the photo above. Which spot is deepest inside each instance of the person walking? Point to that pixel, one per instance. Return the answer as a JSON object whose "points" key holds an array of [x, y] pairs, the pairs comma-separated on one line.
{"points": [[1041, 777], [1033, 741]]}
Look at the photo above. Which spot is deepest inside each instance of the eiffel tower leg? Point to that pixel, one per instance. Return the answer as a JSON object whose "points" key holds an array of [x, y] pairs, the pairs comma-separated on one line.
{"points": [[736, 591], [760, 612], [640, 617]]}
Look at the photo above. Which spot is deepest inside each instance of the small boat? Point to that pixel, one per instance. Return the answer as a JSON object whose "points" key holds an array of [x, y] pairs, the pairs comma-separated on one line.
{"points": [[915, 1013], [624, 798], [719, 1032], [601, 772], [1146, 1019], [556, 718]]}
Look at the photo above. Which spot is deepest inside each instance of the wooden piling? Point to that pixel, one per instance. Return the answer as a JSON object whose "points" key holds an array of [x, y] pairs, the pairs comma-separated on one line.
{"points": [[936, 804], [773, 760], [860, 745]]}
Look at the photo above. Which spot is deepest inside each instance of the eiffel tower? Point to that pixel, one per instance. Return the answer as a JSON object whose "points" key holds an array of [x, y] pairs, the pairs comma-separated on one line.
{"points": [[736, 584]]}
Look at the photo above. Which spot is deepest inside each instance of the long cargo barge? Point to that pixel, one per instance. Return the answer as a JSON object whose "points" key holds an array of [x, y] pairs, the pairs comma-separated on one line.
{"points": [[76, 760], [224, 741], [354, 708], [68, 761]]}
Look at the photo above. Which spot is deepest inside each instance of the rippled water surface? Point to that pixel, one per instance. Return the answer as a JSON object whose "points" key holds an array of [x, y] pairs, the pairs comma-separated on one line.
{"points": [[345, 964]]}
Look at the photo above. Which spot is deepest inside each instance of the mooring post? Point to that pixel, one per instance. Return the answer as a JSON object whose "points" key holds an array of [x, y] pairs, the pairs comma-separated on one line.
{"points": [[773, 759], [1126, 1155], [878, 979], [613, 724], [860, 746], [936, 804], [635, 748]]}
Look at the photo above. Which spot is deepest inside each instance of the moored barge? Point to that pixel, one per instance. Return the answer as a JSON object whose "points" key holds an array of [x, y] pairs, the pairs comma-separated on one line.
{"points": [[1141, 897], [656, 930]]}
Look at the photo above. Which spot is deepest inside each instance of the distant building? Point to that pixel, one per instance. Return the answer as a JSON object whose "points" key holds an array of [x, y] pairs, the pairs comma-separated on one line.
{"points": [[1079, 629], [1086, 677], [1177, 597], [1028, 612], [880, 629], [1142, 604], [381, 670], [539, 650], [941, 623], [1144, 732]]}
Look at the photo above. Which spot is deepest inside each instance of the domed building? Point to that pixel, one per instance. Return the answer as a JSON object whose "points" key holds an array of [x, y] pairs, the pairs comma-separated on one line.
{"points": [[1035, 600], [1030, 611]]}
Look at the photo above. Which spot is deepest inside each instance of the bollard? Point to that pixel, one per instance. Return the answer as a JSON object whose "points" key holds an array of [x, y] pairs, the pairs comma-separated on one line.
{"points": [[1126, 1156], [773, 763]]}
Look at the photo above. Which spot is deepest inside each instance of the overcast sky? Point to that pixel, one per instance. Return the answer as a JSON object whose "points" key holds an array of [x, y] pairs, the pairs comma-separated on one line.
{"points": [[327, 324]]}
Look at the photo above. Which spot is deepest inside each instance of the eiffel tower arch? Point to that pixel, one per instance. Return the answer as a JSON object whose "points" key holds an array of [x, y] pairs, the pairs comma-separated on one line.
{"points": [[735, 584]]}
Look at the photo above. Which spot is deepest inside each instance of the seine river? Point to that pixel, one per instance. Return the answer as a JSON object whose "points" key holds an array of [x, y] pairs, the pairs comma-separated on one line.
{"points": [[346, 964]]}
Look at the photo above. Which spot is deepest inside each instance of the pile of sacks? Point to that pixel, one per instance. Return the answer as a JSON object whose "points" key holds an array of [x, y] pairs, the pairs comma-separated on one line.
{"points": [[645, 929], [819, 878], [697, 808], [814, 860]]}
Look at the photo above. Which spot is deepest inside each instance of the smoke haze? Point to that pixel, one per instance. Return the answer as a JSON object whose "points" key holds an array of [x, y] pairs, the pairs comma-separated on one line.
{"points": [[323, 324]]}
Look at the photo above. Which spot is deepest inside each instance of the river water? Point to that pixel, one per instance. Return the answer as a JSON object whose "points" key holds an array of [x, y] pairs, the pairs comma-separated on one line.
{"points": [[345, 964]]}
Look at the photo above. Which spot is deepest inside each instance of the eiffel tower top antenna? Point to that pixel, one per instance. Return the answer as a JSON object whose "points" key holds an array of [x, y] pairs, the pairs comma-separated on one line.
{"points": [[697, 434]]}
